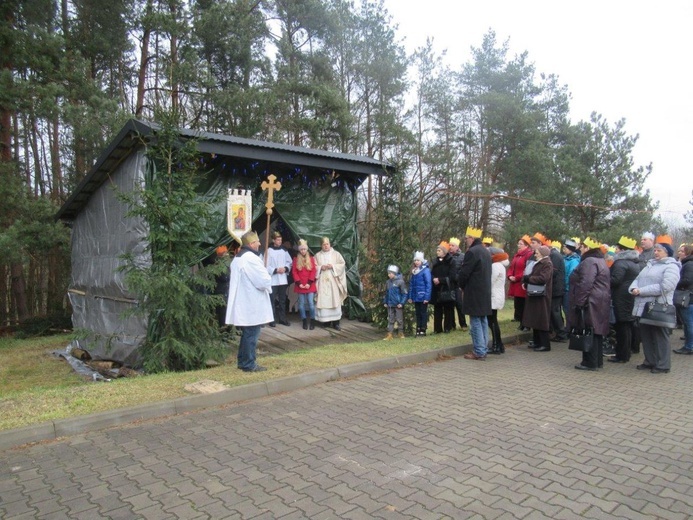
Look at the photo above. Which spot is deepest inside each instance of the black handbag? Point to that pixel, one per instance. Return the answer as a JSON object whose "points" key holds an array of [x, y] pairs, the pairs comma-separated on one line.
{"points": [[534, 289], [682, 298], [448, 295], [581, 336], [659, 314]]}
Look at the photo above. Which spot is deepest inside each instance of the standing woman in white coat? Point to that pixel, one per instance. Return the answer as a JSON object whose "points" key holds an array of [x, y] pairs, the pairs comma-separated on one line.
{"points": [[500, 263], [656, 282]]}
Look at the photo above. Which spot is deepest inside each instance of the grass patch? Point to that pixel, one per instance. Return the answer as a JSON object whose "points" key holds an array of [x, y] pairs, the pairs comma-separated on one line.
{"points": [[37, 387]]}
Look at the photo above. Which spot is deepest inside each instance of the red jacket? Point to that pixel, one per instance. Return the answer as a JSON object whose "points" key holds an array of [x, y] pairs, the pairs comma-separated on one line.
{"points": [[517, 269], [304, 276]]}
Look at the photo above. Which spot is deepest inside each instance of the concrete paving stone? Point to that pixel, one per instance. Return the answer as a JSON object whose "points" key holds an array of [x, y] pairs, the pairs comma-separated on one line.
{"points": [[155, 512], [337, 505], [215, 510], [17, 508]]}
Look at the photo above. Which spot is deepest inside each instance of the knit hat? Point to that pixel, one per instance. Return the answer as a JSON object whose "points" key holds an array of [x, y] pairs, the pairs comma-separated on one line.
{"points": [[499, 256], [627, 242], [544, 250], [418, 255], [250, 237], [454, 241], [392, 269], [571, 244], [666, 247], [444, 246]]}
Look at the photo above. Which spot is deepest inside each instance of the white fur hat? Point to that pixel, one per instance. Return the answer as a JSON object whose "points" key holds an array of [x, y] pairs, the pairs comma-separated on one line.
{"points": [[418, 255]]}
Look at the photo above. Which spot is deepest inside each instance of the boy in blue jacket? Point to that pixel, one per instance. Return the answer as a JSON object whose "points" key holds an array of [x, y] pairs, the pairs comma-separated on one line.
{"points": [[395, 298]]}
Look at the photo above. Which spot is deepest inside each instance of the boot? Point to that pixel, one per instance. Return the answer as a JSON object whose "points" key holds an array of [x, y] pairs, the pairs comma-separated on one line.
{"points": [[501, 347], [494, 349], [311, 324], [401, 335], [388, 337], [336, 326], [305, 324]]}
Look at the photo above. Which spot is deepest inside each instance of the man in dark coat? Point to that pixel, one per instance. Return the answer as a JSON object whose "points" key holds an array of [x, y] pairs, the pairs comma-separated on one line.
{"points": [[557, 291], [475, 281], [623, 271], [590, 293]]}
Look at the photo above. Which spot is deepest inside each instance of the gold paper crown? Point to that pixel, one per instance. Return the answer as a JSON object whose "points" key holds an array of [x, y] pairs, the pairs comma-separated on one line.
{"points": [[455, 241], [591, 244], [576, 239], [526, 239], [547, 242], [487, 240], [302, 242], [249, 238], [627, 242], [611, 250], [444, 245], [473, 232], [539, 237], [556, 244], [664, 239]]}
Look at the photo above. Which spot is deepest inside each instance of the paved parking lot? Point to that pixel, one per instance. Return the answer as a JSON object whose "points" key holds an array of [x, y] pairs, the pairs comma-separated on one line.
{"points": [[523, 435]]}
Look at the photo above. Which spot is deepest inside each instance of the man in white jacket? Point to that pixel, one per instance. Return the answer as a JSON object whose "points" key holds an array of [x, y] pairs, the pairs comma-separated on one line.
{"points": [[249, 306]]}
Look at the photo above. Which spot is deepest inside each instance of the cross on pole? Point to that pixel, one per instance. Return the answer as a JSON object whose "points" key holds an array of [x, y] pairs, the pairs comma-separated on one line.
{"points": [[270, 186]]}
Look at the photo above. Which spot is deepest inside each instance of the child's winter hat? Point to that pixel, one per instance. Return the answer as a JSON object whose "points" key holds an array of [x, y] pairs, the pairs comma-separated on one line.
{"points": [[392, 269], [418, 255]]}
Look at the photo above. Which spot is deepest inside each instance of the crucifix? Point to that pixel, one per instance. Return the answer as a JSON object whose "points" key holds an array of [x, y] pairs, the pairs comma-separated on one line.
{"points": [[270, 186]]}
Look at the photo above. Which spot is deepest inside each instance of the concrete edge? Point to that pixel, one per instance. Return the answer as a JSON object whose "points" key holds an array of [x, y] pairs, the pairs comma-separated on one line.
{"points": [[75, 425]]}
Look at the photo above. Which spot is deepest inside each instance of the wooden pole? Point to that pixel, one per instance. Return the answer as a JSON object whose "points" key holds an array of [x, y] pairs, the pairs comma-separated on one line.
{"points": [[270, 185]]}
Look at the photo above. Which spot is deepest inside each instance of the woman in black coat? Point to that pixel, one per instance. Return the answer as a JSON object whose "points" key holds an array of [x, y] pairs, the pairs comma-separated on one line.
{"points": [[444, 288], [537, 313], [623, 271]]}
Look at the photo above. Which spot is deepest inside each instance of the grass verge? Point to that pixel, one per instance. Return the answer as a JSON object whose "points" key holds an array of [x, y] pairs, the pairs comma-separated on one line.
{"points": [[37, 387]]}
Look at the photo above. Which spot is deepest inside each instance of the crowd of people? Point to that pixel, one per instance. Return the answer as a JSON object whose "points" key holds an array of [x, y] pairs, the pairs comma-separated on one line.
{"points": [[555, 286]]}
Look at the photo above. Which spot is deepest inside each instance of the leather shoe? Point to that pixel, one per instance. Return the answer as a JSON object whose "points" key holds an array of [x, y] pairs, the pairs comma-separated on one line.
{"points": [[659, 371], [684, 351], [616, 360], [285, 323], [583, 367], [256, 368], [472, 355], [542, 349], [644, 366], [272, 324]]}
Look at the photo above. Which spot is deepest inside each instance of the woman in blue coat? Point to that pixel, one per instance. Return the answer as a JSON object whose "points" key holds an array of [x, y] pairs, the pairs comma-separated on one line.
{"points": [[420, 292]]}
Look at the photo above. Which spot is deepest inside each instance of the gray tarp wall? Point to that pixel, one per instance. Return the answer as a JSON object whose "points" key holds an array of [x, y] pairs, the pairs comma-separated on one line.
{"points": [[101, 233]]}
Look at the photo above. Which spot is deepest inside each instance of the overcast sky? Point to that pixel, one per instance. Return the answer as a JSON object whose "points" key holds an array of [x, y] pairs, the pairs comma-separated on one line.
{"points": [[622, 59]]}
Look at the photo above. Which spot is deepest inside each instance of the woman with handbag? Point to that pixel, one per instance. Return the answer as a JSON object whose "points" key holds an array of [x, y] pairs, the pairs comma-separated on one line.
{"points": [[685, 286], [537, 314], [590, 296], [654, 290], [443, 293]]}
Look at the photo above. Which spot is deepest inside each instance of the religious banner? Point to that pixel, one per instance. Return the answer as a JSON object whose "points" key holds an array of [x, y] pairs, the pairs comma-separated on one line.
{"points": [[239, 213]]}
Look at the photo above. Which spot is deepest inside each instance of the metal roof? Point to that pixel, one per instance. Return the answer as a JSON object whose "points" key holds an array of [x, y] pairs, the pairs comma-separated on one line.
{"points": [[129, 139]]}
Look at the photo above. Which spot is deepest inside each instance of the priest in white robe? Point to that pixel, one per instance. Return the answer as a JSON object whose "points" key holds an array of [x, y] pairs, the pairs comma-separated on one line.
{"points": [[332, 285]]}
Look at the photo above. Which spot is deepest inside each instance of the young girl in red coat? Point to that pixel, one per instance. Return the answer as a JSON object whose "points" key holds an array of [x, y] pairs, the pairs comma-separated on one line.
{"points": [[304, 272]]}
